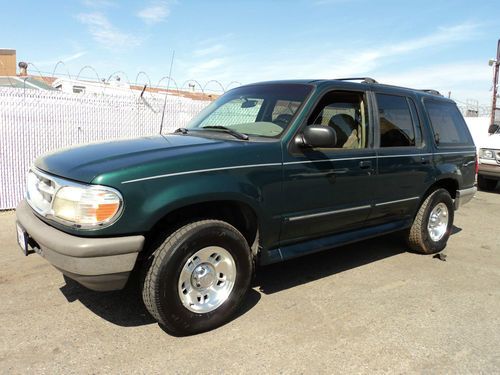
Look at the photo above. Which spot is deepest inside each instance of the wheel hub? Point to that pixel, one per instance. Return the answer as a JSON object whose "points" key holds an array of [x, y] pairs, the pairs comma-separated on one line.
{"points": [[207, 279], [203, 276], [438, 222]]}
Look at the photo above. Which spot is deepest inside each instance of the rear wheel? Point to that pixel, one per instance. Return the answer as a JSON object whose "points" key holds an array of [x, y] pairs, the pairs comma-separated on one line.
{"points": [[431, 228], [197, 278], [486, 183]]}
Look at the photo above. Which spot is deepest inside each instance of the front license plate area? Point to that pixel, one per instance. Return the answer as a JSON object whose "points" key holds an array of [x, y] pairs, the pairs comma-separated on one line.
{"points": [[22, 239]]}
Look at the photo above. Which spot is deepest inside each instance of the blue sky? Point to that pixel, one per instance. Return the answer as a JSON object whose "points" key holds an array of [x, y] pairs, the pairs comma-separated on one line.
{"points": [[425, 44]]}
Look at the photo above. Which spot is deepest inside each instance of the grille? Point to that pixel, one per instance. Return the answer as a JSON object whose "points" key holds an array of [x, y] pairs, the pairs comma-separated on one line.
{"points": [[40, 192]]}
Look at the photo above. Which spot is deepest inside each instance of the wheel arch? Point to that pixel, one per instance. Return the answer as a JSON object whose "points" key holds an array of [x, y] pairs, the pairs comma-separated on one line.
{"points": [[448, 183], [239, 214]]}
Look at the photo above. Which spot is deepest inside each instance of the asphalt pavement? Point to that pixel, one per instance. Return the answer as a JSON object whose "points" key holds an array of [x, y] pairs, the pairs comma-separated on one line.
{"points": [[371, 307]]}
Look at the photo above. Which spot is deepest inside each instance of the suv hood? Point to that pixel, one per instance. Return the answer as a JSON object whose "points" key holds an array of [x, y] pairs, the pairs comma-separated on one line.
{"points": [[84, 163]]}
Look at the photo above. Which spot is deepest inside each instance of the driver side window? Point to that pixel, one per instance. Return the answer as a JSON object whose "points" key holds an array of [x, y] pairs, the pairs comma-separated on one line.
{"points": [[346, 113]]}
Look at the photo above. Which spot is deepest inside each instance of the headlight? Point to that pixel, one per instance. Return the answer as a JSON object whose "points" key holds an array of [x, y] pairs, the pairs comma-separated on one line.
{"points": [[87, 207], [487, 154]]}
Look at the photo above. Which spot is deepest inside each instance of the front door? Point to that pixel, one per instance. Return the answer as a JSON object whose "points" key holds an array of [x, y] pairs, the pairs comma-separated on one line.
{"points": [[330, 190]]}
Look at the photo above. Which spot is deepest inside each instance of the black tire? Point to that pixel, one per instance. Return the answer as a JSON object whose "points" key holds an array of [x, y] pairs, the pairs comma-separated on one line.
{"points": [[160, 288], [486, 183], [419, 238]]}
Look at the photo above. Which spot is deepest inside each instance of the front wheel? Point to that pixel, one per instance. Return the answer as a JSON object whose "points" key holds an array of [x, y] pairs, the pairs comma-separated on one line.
{"points": [[198, 277], [431, 228]]}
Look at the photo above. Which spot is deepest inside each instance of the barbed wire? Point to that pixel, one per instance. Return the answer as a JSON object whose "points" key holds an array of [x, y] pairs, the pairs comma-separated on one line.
{"points": [[106, 85], [171, 79], [55, 68], [470, 107]]}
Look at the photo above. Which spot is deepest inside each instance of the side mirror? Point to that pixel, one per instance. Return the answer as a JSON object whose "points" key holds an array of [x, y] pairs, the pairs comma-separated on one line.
{"points": [[493, 128], [317, 136]]}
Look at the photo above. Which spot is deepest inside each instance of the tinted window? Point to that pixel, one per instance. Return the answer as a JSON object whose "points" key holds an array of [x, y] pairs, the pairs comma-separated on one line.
{"points": [[346, 113], [447, 123], [396, 126]]}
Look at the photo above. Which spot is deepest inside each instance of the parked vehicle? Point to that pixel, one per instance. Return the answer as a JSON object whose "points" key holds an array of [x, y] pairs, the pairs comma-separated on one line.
{"points": [[489, 160], [268, 172]]}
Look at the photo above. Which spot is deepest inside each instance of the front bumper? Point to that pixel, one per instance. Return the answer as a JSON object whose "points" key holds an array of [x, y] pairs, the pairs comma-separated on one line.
{"points": [[464, 196], [491, 171], [97, 263]]}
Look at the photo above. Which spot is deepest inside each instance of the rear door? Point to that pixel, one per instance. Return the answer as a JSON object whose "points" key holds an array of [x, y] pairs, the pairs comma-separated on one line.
{"points": [[330, 190], [405, 164]]}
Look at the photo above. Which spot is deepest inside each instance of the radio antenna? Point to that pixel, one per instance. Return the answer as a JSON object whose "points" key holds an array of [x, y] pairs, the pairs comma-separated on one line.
{"points": [[166, 94]]}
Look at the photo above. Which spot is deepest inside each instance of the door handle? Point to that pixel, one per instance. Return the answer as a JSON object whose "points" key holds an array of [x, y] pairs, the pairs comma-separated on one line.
{"points": [[365, 164]]}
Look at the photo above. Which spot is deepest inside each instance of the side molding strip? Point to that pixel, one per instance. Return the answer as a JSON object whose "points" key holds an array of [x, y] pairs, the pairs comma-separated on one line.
{"points": [[319, 214], [397, 201]]}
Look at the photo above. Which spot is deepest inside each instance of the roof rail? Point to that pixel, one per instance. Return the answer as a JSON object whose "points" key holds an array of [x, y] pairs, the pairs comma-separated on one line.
{"points": [[363, 79], [431, 91]]}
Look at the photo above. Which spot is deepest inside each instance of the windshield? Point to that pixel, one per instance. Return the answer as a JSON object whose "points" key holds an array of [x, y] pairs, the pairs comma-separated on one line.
{"points": [[263, 110]]}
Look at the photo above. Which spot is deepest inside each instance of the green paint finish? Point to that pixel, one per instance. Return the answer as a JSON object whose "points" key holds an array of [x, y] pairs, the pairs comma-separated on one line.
{"points": [[298, 194]]}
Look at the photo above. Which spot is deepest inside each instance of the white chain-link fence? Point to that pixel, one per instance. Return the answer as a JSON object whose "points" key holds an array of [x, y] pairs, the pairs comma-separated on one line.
{"points": [[34, 122]]}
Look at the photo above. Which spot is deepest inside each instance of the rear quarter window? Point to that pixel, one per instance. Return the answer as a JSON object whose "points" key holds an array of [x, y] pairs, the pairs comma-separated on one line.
{"points": [[448, 125]]}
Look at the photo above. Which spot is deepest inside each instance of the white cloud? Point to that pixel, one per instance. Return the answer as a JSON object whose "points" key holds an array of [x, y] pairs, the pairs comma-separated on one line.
{"points": [[331, 2], [205, 68], [154, 13], [466, 79], [444, 35], [208, 50], [64, 59], [359, 60], [356, 60], [99, 3], [105, 33], [74, 56]]}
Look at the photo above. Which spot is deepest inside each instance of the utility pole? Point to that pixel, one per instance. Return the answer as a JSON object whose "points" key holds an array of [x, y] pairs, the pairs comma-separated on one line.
{"points": [[496, 64]]}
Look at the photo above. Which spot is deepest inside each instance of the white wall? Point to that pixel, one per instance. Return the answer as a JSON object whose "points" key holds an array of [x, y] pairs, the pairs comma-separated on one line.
{"points": [[34, 122]]}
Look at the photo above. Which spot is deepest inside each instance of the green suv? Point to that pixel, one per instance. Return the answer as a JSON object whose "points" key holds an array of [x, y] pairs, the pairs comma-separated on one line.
{"points": [[268, 172]]}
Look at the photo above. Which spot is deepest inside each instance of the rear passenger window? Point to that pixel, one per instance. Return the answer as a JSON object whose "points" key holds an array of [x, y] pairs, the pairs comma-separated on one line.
{"points": [[447, 123], [396, 126]]}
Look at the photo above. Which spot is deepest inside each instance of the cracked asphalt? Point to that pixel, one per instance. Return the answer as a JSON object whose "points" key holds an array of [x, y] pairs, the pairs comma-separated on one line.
{"points": [[369, 307]]}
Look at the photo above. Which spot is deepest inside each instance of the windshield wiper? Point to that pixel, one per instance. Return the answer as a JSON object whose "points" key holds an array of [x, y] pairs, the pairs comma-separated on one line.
{"points": [[234, 133]]}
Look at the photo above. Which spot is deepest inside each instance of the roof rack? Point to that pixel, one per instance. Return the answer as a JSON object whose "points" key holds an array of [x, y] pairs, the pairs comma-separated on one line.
{"points": [[431, 91], [363, 79]]}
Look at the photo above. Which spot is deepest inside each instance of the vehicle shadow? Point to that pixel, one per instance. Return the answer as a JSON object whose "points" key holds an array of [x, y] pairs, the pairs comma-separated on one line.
{"points": [[125, 308], [281, 276]]}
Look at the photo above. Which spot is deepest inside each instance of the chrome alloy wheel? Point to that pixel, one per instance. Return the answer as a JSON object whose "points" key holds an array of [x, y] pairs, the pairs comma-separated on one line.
{"points": [[207, 279], [438, 222]]}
